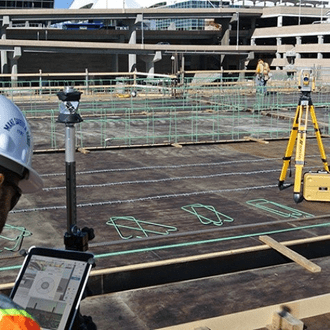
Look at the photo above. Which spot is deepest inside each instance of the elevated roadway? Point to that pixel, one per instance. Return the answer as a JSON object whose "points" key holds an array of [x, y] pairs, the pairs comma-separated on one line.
{"points": [[148, 13], [121, 48], [132, 18]]}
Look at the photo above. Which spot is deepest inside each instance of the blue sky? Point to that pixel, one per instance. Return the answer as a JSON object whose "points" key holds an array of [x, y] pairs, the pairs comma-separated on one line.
{"points": [[62, 3]]}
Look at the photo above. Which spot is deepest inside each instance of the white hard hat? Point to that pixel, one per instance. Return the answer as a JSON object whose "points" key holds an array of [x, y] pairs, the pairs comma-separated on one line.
{"points": [[16, 146]]}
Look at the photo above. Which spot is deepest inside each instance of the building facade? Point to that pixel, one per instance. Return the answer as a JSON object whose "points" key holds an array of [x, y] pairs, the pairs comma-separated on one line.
{"points": [[26, 4]]}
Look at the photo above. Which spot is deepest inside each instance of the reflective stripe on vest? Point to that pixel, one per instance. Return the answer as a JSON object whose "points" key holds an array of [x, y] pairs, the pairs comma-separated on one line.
{"points": [[14, 319]]}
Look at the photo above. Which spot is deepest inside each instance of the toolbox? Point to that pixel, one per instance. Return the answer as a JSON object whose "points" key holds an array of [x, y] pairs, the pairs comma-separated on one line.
{"points": [[317, 186]]}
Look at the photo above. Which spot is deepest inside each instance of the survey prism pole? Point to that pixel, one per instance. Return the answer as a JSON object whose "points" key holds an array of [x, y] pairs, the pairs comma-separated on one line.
{"points": [[70, 167], [69, 116]]}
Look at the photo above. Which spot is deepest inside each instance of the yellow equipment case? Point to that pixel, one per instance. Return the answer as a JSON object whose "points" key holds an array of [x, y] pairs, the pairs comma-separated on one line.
{"points": [[317, 186]]}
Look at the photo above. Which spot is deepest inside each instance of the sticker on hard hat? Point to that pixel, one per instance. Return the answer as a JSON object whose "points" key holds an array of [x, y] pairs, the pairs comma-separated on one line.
{"points": [[16, 121]]}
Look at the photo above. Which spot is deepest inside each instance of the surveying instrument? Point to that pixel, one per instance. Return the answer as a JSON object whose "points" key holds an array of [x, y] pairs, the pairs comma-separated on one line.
{"points": [[315, 186], [74, 239]]}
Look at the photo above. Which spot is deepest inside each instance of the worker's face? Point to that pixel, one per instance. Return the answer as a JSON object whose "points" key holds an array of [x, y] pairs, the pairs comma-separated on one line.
{"points": [[9, 196]]}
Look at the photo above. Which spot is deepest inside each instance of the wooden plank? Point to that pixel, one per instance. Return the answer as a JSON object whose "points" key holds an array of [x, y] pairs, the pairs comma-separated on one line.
{"points": [[250, 138], [205, 256], [299, 259], [260, 317]]}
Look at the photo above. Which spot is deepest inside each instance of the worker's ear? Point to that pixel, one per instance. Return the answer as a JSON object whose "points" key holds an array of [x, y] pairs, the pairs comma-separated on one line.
{"points": [[2, 178]]}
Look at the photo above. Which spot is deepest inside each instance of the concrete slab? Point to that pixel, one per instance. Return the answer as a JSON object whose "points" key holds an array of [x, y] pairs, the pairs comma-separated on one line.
{"points": [[156, 186]]}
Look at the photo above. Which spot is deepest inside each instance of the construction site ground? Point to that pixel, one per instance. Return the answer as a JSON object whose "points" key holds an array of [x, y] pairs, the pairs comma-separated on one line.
{"points": [[154, 204]]}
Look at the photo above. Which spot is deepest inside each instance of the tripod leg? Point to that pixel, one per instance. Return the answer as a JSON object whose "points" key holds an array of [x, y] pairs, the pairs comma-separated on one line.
{"points": [[319, 139], [300, 151], [289, 149]]}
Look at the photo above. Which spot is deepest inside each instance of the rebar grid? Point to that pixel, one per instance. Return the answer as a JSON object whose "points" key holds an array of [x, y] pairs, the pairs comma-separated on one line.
{"points": [[129, 112]]}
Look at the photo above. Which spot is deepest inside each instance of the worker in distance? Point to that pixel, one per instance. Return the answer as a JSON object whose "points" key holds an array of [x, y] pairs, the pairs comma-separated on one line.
{"points": [[262, 76], [16, 177]]}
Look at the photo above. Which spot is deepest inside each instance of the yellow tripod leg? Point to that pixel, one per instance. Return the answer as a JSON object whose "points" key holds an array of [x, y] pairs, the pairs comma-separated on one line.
{"points": [[300, 151], [319, 139], [289, 148]]}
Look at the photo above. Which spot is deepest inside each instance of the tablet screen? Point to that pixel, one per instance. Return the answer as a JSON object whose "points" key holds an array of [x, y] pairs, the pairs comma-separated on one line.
{"points": [[50, 288]]}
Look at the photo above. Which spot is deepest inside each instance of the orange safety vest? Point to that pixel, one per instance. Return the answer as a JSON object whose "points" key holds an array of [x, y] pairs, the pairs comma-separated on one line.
{"points": [[17, 319], [260, 68]]}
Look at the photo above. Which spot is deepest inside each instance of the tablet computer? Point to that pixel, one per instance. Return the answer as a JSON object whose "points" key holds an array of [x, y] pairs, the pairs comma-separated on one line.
{"points": [[50, 285]]}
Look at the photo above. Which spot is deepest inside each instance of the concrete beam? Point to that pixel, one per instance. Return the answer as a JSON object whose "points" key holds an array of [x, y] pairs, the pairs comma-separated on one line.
{"points": [[148, 13], [120, 48], [292, 31]]}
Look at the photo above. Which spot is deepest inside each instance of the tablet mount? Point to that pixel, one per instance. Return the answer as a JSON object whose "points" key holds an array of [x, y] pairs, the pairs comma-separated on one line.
{"points": [[75, 238]]}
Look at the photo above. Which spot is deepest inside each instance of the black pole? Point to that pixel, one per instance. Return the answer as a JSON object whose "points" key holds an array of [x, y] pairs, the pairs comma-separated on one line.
{"points": [[71, 200]]}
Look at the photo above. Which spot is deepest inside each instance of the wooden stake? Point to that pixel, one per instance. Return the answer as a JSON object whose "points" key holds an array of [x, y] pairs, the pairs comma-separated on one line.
{"points": [[299, 259]]}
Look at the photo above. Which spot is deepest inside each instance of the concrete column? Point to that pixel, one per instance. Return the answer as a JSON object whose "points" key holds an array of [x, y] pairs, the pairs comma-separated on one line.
{"points": [[132, 41], [298, 42], [150, 61], [150, 68], [279, 21], [4, 54], [132, 57], [182, 69], [114, 63], [278, 41], [320, 40], [14, 65], [225, 38]]}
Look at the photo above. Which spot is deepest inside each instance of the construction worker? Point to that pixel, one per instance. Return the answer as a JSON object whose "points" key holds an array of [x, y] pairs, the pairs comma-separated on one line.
{"points": [[262, 75], [16, 177]]}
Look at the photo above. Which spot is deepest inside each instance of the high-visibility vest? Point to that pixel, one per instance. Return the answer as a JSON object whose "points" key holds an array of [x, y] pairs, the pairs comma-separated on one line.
{"points": [[17, 319], [260, 68]]}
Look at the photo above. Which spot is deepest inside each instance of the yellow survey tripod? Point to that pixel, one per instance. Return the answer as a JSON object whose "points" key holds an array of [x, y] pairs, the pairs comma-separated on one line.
{"points": [[299, 133]]}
